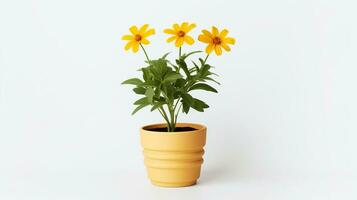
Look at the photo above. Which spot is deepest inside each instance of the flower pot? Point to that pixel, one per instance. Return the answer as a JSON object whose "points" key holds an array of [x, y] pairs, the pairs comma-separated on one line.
{"points": [[173, 159]]}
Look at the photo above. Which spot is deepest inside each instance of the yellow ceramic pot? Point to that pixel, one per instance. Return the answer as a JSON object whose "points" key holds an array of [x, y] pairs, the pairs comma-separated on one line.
{"points": [[173, 159]]}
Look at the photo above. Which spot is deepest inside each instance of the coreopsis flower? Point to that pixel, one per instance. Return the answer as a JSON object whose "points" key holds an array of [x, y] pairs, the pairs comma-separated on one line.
{"points": [[138, 37], [216, 40], [180, 34]]}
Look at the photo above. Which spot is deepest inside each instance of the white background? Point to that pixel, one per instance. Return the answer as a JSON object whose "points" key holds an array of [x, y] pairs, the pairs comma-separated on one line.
{"points": [[283, 125]]}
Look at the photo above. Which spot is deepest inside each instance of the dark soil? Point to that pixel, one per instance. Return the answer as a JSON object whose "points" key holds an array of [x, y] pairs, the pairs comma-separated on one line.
{"points": [[177, 129]]}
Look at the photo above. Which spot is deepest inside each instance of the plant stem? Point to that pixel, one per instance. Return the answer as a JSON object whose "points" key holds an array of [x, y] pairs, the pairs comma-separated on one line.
{"points": [[178, 111], [147, 57], [178, 100], [172, 118], [179, 52], [204, 62], [164, 115]]}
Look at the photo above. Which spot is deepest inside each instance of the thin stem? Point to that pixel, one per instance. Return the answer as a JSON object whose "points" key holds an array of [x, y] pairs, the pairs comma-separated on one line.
{"points": [[147, 57], [178, 111], [172, 118], [178, 100], [179, 52], [163, 115], [204, 62]]}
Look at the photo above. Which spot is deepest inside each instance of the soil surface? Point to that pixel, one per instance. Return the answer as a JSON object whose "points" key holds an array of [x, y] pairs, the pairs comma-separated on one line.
{"points": [[178, 129]]}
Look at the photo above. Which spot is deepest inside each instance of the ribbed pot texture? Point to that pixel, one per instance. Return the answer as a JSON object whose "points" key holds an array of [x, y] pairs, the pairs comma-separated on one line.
{"points": [[173, 159]]}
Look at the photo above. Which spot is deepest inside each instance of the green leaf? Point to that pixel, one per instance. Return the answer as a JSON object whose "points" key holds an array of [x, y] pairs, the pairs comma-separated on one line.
{"points": [[180, 82], [133, 81], [187, 102], [204, 71], [185, 108], [146, 74], [156, 105], [211, 79], [157, 91], [203, 86], [199, 105], [196, 66], [139, 107], [171, 77], [143, 100], [139, 90], [181, 63], [149, 94], [165, 55], [159, 68], [184, 56]]}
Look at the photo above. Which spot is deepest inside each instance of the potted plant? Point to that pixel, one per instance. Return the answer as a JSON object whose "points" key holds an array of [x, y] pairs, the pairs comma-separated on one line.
{"points": [[173, 151]]}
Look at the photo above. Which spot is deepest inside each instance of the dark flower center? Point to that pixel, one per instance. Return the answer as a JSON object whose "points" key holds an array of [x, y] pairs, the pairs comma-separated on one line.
{"points": [[138, 37], [181, 33], [216, 40]]}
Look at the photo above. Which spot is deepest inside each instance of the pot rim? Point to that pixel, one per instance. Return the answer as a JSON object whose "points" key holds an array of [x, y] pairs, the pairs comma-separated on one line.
{"points": [[198, 127]]}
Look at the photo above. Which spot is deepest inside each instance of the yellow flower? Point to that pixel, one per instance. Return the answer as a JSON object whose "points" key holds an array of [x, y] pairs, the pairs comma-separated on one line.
{"points": [[180, 34], [216, 40], [138, 37]]}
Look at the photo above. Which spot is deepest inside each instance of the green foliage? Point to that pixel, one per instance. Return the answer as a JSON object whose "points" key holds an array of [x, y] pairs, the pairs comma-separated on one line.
{"points": [[167, 87]]}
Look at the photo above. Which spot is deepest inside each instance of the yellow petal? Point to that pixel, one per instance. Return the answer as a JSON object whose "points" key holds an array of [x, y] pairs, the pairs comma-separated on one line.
{"points": [[189, 40], [218, 50], [143, 28], [149, 32], [134, 30], [229, 40], [179, 42], [127, 37], [176, 27], [190, 27], [215, 31], [145, 41], [170, 31], [223, 33], [136, 47], [170, 39], [207, 33], [225, 46], [184, 26], [204, 38], [209, 48], [129, 45]]}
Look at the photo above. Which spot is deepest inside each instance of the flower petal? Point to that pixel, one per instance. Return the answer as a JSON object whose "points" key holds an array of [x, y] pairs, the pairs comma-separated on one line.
{"points": [[149, 32], [136, 47], [127, 37], [229, 40], [189, 40], [143, 28], [179, 42], [134, 30], [129, 45], [172, 38], [204, 38], [207, 33], [190, 27], [176, 27], [209, 48], [223, 33], [170, 31], [215, 31], [225, 46], [184, 26], [145, 41], [218, 50]]}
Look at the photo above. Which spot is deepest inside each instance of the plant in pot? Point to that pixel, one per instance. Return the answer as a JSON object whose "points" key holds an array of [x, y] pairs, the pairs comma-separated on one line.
{"points": [[173, 151]]}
